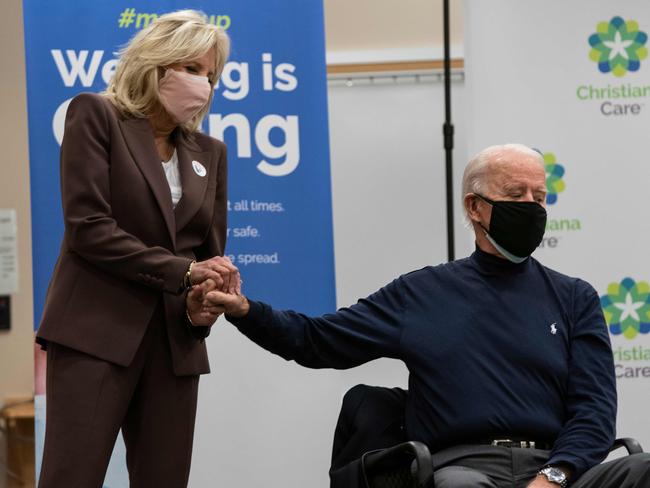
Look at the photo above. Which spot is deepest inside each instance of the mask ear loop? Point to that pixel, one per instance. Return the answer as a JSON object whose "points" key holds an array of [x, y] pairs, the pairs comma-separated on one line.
{"points": [[489, 202], [506, 254]]}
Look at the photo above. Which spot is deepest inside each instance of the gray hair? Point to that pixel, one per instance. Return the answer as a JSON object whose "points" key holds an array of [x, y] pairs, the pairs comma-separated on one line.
{"points": [[475, 177]]}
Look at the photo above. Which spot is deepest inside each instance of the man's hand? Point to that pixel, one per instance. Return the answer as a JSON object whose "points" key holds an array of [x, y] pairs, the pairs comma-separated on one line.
{"points": [[234, 305], [200, 315], [541, 481], [220, 270]]}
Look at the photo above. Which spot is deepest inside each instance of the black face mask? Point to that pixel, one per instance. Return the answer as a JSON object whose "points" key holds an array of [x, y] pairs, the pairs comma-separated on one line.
{"points": [[516, 227]]}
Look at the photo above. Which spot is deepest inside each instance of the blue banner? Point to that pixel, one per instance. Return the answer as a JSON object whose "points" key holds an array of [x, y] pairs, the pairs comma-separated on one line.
{"points": [[270, 108]]}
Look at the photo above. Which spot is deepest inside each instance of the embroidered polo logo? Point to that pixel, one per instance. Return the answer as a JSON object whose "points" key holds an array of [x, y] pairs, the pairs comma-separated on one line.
{"points": [[199, 169], [554, 328]]}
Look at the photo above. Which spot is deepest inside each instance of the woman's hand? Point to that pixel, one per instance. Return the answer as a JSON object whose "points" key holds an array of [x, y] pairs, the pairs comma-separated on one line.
{"points": [[220, 270], [202, 314]]}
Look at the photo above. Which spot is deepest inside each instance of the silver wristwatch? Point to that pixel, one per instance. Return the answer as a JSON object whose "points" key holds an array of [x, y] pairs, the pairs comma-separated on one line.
{"points": [[554, 475]]}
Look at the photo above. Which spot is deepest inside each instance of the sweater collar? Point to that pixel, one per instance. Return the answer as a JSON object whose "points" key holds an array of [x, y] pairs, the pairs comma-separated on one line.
{"points": [[492, 264]]}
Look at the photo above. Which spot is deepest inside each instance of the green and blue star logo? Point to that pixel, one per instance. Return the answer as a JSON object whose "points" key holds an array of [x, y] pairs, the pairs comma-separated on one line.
{"points": [[618, 46], [554, 182], [627, 308]]}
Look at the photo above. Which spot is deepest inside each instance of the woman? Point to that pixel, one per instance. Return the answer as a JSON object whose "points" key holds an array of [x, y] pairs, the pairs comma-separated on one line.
{"points": [[144, 205]]}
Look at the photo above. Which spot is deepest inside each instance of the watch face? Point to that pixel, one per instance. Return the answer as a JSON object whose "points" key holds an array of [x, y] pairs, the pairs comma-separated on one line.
{"points": [[554, 475]]}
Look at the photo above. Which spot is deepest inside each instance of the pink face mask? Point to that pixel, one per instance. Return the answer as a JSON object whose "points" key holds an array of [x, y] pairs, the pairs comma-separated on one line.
{"points": [[183, 94]]}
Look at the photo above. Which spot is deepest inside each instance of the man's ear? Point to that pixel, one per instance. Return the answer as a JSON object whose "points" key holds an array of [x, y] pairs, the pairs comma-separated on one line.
{"points": [[471, 202]]}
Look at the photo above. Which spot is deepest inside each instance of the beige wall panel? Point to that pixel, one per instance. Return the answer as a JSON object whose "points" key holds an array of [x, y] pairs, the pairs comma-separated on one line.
{"points": [[353, 25], [16, 345]]}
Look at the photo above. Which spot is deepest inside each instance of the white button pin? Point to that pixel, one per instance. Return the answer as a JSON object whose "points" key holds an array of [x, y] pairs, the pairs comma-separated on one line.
{"points": [[199, 169]]}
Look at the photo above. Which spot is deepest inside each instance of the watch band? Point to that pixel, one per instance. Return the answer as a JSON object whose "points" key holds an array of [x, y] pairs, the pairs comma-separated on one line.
{"points": [[187, 279]]}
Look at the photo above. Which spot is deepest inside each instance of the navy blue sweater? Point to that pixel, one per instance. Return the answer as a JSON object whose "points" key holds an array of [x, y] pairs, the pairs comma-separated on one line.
{"points": [[494, 349]]}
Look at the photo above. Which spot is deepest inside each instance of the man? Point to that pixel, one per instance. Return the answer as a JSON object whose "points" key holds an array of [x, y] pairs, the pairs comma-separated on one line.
{"points": [[497, 346]]}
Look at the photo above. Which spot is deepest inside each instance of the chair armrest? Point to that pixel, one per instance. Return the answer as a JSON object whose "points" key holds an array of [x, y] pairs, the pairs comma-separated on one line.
{"points": [[413, 452], [632, 445]]}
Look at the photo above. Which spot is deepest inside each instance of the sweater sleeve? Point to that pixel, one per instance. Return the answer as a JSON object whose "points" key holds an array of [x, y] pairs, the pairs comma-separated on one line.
{"points": [[589, 430], [368, 330]]}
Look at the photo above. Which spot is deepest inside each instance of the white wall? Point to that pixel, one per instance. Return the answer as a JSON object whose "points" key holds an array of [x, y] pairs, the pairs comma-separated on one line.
{"points": [[265, 422]]}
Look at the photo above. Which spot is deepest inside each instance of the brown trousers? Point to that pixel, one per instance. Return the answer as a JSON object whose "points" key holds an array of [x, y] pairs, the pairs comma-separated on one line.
{"points": [[89, 400]]}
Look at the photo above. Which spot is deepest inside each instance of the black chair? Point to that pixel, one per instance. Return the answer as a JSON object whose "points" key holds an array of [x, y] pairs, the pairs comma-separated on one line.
{"points": [[632, 446], [370, 446], [406, 465], [371, 450]]}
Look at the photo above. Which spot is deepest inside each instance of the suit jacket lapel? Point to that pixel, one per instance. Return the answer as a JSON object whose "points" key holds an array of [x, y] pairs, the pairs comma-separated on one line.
{"points": [[139, 138], [194, 184]]}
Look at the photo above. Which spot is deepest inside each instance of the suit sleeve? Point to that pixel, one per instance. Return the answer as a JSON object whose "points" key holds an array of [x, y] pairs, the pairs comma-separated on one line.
{"points": [[215, 241], [590, 428], [91, 230], [368, 330]]}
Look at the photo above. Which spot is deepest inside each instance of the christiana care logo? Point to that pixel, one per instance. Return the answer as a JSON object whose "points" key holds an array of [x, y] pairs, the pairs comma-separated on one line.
{"points": [[554, 181], [556, 227], [626, 307], [618, 47]]}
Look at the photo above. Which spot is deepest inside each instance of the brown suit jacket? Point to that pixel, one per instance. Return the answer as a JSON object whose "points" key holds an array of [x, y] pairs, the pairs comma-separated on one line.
{"points": [[125, 247]]}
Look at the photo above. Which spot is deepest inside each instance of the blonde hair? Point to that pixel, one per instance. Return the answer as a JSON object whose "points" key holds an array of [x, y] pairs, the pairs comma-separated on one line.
{"points": [[176, 37]]}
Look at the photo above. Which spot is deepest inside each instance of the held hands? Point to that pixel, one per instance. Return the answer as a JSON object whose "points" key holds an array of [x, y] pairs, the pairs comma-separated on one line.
{"points": [[199, 315], [205, 304], [220, 270], [218, 278], [233, 305]]}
